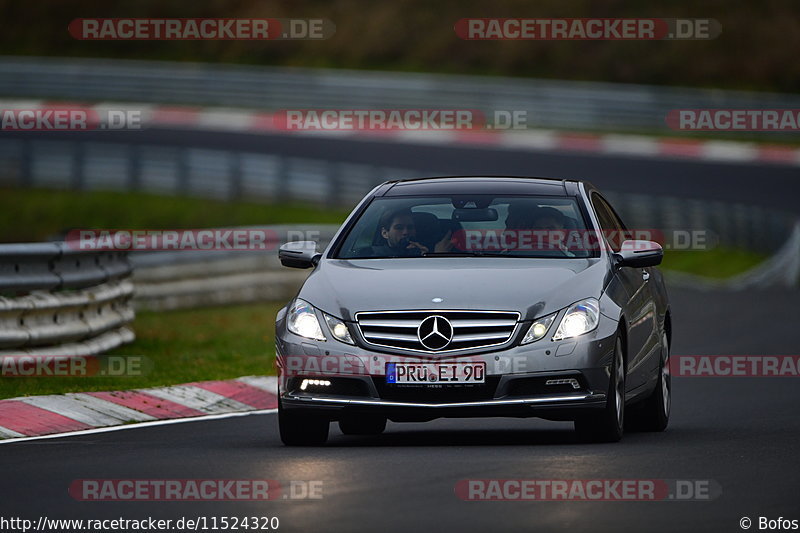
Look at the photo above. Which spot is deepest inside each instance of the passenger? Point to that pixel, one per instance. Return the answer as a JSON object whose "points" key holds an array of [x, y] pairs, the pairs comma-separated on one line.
{"points": [[549, 225], [520, 216], [543, 227], [548, 219]]}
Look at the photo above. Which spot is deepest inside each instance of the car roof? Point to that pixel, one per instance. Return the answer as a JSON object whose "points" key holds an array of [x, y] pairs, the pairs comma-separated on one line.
{"points": [[480, 185]]}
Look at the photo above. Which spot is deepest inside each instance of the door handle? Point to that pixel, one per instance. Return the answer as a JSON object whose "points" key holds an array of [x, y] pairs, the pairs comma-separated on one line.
{"points": [[645, 275]]}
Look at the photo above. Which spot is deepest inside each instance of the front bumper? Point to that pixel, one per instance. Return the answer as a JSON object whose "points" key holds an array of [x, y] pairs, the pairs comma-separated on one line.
{"points": [[555, 407], [515, 379]]}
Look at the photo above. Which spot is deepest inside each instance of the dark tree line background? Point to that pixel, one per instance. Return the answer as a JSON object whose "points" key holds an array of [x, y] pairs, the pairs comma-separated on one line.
{"points": [[758, 48]]}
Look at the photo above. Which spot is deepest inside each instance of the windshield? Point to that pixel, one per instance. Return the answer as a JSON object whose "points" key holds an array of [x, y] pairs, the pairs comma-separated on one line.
{"points": [[470, 226]]}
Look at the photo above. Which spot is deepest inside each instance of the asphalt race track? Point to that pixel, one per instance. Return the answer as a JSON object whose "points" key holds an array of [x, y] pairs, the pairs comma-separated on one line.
{"points": [[742, 433]]}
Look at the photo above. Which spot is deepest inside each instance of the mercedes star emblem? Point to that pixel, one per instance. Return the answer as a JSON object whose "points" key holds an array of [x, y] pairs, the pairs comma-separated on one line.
{"points": [[435, 332]]}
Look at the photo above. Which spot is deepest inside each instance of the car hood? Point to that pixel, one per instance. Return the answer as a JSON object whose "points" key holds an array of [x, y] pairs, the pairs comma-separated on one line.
{"points": [[534, 287]]}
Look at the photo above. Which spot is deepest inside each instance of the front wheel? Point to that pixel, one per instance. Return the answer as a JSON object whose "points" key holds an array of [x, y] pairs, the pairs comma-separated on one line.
{"points": [[607, 426], [653, 415], [301, 429]]}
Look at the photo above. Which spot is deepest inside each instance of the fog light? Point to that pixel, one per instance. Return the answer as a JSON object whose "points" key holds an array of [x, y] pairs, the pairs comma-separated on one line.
{"points": [[314, 382], [538, 329], [338, 329]]}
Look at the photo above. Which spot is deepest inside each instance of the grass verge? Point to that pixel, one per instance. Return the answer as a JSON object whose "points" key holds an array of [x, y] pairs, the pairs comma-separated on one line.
{"points": [[178, 347], [718, 263], [29, 215]]}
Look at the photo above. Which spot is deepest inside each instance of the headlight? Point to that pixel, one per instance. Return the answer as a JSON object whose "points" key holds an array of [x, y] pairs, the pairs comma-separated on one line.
{"points": [[581, 317], [303, 321], [539, 328], [338, 329]]}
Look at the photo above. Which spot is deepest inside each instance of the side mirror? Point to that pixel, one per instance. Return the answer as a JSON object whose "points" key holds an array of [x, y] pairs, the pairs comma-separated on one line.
{"points": [[299, 254], [639, 254]]}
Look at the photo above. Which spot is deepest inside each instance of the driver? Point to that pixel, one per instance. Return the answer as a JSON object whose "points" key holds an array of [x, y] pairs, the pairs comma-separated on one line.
{"points": [[398, 230]]}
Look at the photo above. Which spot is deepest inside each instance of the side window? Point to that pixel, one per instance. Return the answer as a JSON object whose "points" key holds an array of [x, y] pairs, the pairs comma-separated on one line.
{"points": [[613, 228]]}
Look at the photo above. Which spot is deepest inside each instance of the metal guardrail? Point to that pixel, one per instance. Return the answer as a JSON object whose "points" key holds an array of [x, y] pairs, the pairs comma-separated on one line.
{"points": [[58, 301], [549, 103], [54, 265], [183, 279]]}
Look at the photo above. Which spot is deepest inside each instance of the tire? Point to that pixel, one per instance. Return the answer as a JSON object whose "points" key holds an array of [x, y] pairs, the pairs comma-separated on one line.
{"points": [[301, 429], [653, 414], [608, 425], [363, 425]]}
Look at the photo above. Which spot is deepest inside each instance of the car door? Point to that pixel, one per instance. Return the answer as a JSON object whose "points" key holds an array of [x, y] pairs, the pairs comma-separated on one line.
{"points": [[640, 310]]}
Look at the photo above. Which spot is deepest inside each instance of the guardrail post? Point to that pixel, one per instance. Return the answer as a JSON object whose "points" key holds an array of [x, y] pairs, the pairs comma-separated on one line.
{"points": [[26, 164], [78, 165], [235, 169], [183, 184], [134, 167], [334, 183], [282, 190]]}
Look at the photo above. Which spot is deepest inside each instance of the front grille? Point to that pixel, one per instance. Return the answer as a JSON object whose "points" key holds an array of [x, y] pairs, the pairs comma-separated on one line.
{"points": [[436, 393], [470, 329]]}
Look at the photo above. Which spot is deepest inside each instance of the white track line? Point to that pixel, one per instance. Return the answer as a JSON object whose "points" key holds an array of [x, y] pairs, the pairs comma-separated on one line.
{"points": [[139, 425]]}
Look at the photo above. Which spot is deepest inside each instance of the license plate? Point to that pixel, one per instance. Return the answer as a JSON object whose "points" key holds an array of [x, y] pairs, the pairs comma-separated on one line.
{"points": [[435, 373]]}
